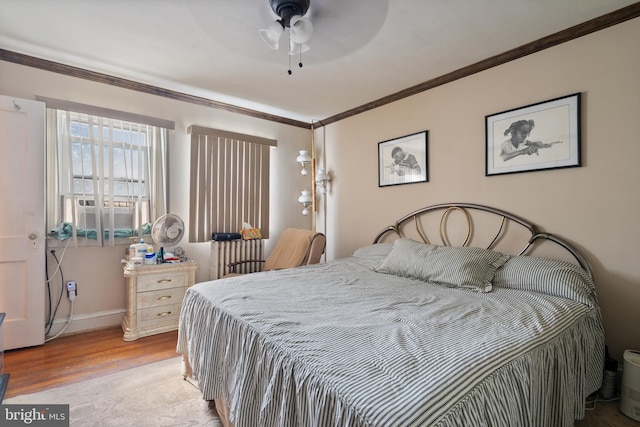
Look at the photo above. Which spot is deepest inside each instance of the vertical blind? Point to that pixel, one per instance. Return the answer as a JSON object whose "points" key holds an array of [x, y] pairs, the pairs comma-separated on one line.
{"points": [[229, 182]]}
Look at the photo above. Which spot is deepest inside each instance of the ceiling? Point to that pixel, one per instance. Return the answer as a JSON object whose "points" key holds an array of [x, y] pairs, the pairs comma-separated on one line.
{"points": [[361, 51]]}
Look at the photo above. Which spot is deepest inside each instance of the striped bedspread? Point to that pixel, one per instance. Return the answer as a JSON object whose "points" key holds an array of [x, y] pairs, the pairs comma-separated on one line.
{"points": [[337, 344]]}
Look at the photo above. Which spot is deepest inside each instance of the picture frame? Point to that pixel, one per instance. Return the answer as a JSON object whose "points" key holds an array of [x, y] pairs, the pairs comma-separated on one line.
{"points": [[403, 160], [536, 137]]}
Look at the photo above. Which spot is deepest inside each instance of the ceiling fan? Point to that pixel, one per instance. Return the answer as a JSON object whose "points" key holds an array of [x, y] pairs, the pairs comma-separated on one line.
{"points": [[339, 27], [291, 14]]}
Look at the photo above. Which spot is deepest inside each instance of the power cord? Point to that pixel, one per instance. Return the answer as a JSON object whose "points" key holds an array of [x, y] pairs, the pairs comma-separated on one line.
{"points": [[52, 314], [66, 324], [590, 404]]}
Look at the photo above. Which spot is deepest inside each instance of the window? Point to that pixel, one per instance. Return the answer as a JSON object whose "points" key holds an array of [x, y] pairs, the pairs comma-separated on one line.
{"points": [[106, 178], [229, 182]]}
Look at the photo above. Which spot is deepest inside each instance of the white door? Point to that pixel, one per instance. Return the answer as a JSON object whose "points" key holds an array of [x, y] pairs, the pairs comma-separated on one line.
{"points": [[22, 221]]}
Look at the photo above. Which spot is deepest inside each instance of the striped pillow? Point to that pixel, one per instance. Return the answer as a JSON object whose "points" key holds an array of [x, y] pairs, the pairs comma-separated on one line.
{"points": [[548, 276], [451, 266]]}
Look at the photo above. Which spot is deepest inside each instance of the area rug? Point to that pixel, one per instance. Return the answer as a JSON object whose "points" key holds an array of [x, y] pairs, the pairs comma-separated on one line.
{"points": [[150, 395]]}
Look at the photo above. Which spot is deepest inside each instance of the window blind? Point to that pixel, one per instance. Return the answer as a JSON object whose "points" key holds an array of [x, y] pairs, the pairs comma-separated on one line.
{"points": [[229, 182]]}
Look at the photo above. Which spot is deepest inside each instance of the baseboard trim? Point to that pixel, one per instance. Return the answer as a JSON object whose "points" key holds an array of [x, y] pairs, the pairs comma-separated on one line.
{"points": [[88, 322]]}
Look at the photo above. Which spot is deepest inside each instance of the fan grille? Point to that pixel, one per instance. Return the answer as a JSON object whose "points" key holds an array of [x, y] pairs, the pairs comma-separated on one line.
{"points": [[167, 230]]}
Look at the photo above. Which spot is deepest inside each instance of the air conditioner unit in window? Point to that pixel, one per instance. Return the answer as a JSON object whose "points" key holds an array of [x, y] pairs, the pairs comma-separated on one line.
{"points": [[86, 216]]}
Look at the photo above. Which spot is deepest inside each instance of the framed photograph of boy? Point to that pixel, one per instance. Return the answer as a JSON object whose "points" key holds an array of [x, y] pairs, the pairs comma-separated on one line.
{"points": [[541, 136], [403, 160]]}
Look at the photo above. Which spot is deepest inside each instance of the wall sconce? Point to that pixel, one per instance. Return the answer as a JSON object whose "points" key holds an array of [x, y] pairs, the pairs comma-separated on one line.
{"points": [[306, 200], [322, 179], [319, 180], [304, 159]]}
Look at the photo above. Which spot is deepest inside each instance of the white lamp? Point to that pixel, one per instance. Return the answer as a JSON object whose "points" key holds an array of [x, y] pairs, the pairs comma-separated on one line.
{"points": [[271, 35], [304, 159], [300, 29], [297, 48], [322, 179], [306, 200]]}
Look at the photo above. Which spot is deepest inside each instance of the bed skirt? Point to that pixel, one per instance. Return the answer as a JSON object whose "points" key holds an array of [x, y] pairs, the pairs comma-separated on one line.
{"points": [[223, 411], [221, 407]]}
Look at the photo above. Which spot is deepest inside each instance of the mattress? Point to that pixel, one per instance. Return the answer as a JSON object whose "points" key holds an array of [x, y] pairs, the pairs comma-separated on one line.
{"points": [[341, 344]]}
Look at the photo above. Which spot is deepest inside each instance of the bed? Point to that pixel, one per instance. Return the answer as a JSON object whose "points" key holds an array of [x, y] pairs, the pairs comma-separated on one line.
{"points": [[465, 325]]}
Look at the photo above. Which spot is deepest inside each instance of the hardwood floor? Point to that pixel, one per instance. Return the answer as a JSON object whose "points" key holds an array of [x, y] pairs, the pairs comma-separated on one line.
{"points": [[93, 354], [79, 357]]}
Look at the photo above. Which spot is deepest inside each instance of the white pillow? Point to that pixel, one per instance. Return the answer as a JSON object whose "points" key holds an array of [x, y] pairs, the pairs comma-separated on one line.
{"points": [[463, 267], [376, 251]]}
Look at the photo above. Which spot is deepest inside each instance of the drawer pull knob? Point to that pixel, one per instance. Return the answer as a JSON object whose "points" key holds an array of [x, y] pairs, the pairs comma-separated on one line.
{"points": [[166, 313], [163, 297], [164, 281]]}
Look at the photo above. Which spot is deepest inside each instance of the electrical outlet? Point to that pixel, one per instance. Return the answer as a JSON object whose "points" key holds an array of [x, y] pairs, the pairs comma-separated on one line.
{"points": [[72, 289]]}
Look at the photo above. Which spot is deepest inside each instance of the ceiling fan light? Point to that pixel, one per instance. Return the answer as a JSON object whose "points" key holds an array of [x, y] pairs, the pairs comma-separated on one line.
{"points": [[297, 48], [301, 29], [271, 35]]}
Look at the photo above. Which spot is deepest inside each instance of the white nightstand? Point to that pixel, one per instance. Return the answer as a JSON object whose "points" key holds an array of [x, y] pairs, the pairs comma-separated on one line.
{"points": [[154, 297]]}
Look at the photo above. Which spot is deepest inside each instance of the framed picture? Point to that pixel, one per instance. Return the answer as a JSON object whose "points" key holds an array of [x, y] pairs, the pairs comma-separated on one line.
{"points": [[403, 160], [540, 136]]}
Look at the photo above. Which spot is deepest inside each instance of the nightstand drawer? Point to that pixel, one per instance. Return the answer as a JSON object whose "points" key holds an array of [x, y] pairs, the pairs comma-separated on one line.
{"points": [[153, 282], [160, 297], [164, 313], [154, 297]]}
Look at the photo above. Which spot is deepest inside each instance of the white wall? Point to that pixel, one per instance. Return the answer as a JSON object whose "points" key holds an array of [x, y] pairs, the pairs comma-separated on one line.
{"points": [[596, 206], [98, 272]]}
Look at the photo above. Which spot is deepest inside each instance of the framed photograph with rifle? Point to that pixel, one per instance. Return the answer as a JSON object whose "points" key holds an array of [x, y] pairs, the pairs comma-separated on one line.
{"points": [[540, 136], [403, 160]]}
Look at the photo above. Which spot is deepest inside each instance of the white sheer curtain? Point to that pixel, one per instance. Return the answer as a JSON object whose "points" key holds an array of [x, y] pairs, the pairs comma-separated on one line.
{"points": [[106, 178]]}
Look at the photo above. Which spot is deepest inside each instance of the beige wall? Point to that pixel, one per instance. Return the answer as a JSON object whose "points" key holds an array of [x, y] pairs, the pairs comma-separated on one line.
{"points": [[98, 272], [596, 206]]}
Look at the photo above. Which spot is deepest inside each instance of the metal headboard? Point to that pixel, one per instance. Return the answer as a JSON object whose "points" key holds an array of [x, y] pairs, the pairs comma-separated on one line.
{"points": [[465, 208]]}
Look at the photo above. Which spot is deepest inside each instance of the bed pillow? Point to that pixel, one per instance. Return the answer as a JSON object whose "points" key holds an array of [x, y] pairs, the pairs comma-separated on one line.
{"points": [[376, 251], [463, 267], [547, 276]]}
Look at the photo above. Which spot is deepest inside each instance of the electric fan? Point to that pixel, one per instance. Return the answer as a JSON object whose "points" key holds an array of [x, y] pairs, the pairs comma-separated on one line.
{"points": [[167, 230]]}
